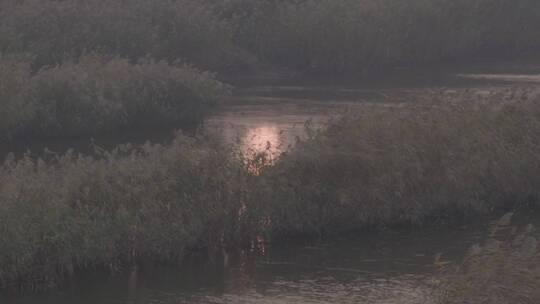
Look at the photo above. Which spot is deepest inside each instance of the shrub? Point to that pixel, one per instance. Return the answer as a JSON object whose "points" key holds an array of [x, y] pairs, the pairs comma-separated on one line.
{"points": [[97, 94]]}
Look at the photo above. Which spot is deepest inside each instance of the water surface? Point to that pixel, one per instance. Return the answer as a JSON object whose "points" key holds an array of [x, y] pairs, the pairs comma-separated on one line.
{"points": [[387, 267]]}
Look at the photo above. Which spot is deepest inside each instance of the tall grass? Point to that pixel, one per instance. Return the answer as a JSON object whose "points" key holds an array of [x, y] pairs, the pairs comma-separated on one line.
{"points": [[409, 164], [152, 203], [97, 94]]}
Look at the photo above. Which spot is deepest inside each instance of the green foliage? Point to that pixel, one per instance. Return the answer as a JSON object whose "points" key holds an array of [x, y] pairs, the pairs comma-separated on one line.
{"points": [[97, 94]]}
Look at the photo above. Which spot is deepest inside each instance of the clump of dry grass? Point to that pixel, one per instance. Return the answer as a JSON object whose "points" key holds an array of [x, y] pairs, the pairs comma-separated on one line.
{"points": [[153, 203], [409, 164]]}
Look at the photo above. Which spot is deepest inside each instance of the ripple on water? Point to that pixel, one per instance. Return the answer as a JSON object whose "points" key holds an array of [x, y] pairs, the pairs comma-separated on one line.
{"points": [[327, 290]]}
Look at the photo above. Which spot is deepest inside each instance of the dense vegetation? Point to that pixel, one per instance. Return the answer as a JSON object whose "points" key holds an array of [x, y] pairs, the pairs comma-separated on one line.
{"points": [[357, 35], [398, 166], [149, 203], [97, 94], [164, 30], [438, 160], [350, 35]]}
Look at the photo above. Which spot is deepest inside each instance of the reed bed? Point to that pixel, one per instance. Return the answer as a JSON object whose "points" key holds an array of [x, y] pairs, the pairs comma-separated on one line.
{"points": [[97, 94], [441, 161], [150, 204]]}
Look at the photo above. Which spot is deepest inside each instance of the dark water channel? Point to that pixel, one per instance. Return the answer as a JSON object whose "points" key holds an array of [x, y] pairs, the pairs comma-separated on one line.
{"points": [[270, 113]]}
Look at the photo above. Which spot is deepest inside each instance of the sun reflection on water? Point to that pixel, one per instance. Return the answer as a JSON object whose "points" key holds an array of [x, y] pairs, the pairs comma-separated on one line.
{"points": [[267, 139]]}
